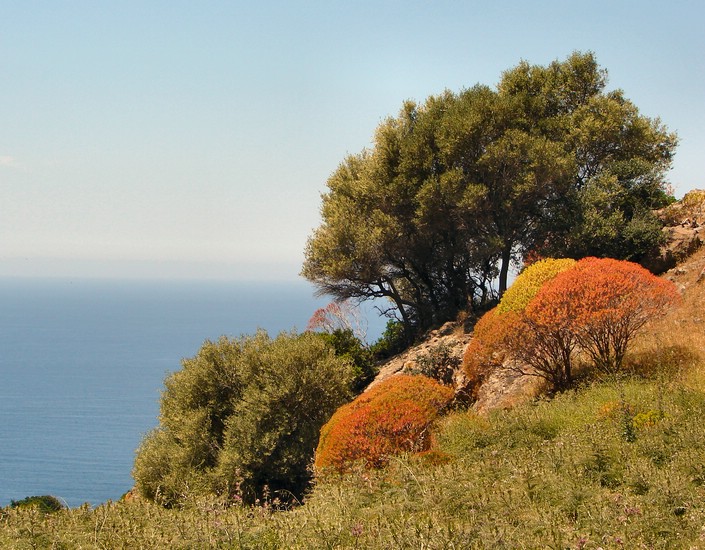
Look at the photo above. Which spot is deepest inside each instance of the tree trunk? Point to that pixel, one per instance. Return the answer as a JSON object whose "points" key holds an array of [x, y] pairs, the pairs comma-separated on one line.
{"points": [[504, 269], [399, 303]]}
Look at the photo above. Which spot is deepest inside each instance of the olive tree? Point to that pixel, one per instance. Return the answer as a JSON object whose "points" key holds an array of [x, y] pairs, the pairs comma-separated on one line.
{"points": [[458, 187], [241, 419]]}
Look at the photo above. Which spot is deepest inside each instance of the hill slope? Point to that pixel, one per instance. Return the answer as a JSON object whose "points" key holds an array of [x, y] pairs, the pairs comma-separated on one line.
{"points": [[683, 250], [613, 464]]}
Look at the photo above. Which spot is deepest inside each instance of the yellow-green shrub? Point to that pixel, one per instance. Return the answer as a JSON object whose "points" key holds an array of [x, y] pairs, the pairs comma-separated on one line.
{"points": [[528, 283]]}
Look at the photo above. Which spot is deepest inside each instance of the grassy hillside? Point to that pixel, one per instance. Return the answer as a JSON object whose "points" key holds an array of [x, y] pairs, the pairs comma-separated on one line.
{"points": [[618, 463]]}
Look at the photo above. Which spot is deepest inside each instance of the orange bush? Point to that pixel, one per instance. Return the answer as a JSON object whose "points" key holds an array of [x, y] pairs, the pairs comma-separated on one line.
{"points": [[486, 350], [391, 418], [594, 305], [602, 303]]}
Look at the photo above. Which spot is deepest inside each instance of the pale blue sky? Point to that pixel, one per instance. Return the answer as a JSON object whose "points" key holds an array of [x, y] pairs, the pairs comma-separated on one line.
{"points": [[193, 139]]}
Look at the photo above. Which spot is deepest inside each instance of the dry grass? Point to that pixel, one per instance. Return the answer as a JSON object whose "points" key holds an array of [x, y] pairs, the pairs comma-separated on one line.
{"points": [[676, 342]]}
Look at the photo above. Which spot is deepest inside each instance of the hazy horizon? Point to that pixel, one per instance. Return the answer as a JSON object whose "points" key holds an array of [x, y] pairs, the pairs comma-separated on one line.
{"points": [[149, 270], [174, 140]]}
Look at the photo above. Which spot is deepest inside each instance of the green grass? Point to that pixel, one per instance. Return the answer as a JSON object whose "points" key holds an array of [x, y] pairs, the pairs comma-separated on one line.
{"points": [[619, 464]]}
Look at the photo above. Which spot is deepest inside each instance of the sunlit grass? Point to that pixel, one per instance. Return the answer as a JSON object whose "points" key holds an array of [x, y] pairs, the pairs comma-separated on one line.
{"points": [[619, 464], [614, 463]]}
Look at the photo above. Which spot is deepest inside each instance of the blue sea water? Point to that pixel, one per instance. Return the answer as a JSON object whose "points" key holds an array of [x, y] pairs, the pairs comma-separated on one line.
{"points": [[82, 363]]}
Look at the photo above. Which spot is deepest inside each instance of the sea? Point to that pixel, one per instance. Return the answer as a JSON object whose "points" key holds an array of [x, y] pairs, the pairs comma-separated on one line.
{"points": [[82, 364]]}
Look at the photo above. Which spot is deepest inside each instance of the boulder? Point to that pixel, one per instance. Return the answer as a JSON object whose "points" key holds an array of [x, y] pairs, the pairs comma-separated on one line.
{"points": [[681, 242], [451, 337]]}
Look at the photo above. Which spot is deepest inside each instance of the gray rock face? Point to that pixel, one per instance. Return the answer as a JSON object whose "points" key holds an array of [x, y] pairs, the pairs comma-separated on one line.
{"points": [[684, 229], [681, 242]]}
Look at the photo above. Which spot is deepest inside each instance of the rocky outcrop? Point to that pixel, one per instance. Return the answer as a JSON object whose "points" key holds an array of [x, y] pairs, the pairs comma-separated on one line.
{"points": [[504, 389], [690, 210], [445, 348], [684, 232], [681, 241], [449, 342], [689, 273], [681, 260]]}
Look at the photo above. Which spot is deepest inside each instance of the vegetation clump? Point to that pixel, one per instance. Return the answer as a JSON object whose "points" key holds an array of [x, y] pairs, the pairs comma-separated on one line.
{"points": [[391, 418], [595, 306], [340, 326], [438, 363], [44, 503], [559, 473], [350, 349], [242, 418]]}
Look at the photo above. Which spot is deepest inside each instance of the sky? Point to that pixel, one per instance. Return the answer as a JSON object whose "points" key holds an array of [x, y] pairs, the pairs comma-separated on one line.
{"points": [[179, 139]]}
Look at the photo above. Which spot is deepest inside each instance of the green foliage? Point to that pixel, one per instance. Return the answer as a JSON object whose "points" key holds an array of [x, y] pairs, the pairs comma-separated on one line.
{"points": [[456, 188], [393, 417], [44, 503], [393, 340], [624, 158], [609, 226], [351, 349], [551, 474], [241, 419], [439, 363]]}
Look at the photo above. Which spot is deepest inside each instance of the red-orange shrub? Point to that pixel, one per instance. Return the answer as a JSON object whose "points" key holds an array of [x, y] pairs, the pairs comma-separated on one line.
{"points": [[594, 305], [503, 333], [391, 418], [487, 351], [603, 303]]}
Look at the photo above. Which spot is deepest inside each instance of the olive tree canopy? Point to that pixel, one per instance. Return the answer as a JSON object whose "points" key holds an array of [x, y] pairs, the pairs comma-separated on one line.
{"points": [[457, 188]]}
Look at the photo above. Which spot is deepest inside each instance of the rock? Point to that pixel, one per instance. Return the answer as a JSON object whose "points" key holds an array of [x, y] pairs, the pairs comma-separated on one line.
{"points": [[681, 242], [684, 231], [504, 389], [689, 211], [450, 336]]}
